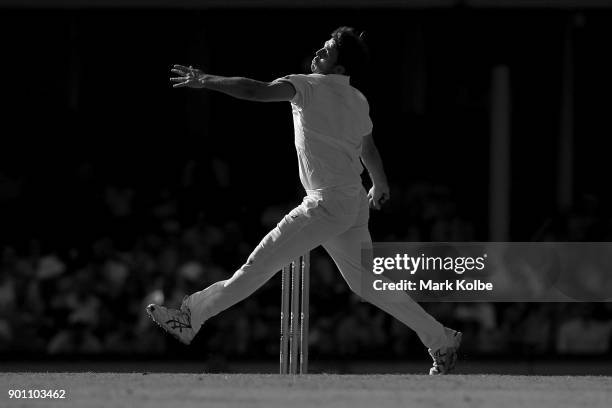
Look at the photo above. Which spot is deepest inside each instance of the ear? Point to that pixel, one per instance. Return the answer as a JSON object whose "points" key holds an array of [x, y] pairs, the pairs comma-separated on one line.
{"points": [[339, 69]]}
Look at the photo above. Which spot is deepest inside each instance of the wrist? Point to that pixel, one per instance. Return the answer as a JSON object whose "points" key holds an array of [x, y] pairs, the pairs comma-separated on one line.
{"points": [[202, 80], [379, 182]]}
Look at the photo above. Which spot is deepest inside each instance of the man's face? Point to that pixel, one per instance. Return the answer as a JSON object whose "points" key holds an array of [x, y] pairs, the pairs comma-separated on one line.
{"points": [[324, 61]]}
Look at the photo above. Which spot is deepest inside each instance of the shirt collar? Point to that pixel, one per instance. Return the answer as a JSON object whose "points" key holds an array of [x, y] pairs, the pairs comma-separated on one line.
{"points": [[343, 79]]}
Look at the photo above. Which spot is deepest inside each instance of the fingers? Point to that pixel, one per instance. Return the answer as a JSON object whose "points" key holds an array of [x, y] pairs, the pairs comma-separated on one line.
{"points": [[180, 82], [182, 68], [373, 203], [186, 75], [376, 201], [384, 198], [372, 199]]}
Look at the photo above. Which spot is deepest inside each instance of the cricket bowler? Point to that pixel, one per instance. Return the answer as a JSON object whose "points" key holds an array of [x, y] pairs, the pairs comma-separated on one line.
{"points": [[333, 140]]}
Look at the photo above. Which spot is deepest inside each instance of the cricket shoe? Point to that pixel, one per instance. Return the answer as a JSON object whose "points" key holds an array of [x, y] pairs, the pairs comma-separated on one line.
{"points": [[444, 358], [177, 322]]}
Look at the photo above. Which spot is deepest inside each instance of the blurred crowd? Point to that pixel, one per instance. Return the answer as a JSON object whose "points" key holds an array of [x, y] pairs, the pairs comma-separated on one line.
{"points": [[86, 294]]}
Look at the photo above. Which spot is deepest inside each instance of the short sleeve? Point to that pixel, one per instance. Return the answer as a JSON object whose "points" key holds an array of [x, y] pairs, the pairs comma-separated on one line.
{"points": [[367, 122], [303, 85], [368, 126]]}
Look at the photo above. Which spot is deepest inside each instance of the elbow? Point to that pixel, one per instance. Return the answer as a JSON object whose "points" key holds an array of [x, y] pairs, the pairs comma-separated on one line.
{"points": [[252, 92]]}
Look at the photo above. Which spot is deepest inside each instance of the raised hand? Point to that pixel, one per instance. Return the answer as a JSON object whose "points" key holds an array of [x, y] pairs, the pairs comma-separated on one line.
{"points": [[187, 77]]}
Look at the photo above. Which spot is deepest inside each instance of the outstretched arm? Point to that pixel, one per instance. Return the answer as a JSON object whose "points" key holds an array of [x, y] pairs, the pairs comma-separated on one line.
{"points": [[379, 193], [238, 87]]}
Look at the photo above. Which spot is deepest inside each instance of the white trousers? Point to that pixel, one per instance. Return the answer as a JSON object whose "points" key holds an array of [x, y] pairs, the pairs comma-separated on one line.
{"points": [[341, 226]]}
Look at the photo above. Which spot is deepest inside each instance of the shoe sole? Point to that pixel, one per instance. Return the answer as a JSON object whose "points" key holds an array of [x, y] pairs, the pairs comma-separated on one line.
{"points": [[150, 314]]}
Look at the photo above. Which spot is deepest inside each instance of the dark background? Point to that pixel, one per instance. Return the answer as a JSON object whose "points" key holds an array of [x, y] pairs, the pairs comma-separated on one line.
{"points": [[114, 186]]}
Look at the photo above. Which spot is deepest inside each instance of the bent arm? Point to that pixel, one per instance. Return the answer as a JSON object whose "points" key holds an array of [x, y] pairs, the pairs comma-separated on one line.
{"points": [[249, 89], [372, 161], [379, 193]]}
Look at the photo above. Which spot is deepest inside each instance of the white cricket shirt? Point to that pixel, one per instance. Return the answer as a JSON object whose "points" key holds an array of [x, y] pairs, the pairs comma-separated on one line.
{"points": [[330, 119]]}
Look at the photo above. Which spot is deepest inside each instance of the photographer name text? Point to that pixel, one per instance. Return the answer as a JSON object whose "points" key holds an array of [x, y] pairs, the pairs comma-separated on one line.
{"points": [[431, 285]]}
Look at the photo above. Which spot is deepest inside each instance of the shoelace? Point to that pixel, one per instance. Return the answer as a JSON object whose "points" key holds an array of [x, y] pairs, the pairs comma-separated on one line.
{"points": [[180, 325], [186, 314]]}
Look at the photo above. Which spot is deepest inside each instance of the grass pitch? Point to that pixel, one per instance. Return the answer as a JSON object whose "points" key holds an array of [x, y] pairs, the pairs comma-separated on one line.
{"points": [[318, 390]]}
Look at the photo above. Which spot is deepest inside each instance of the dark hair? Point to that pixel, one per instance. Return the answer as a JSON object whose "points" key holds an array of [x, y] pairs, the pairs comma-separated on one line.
{"points": [[353, 53]]}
